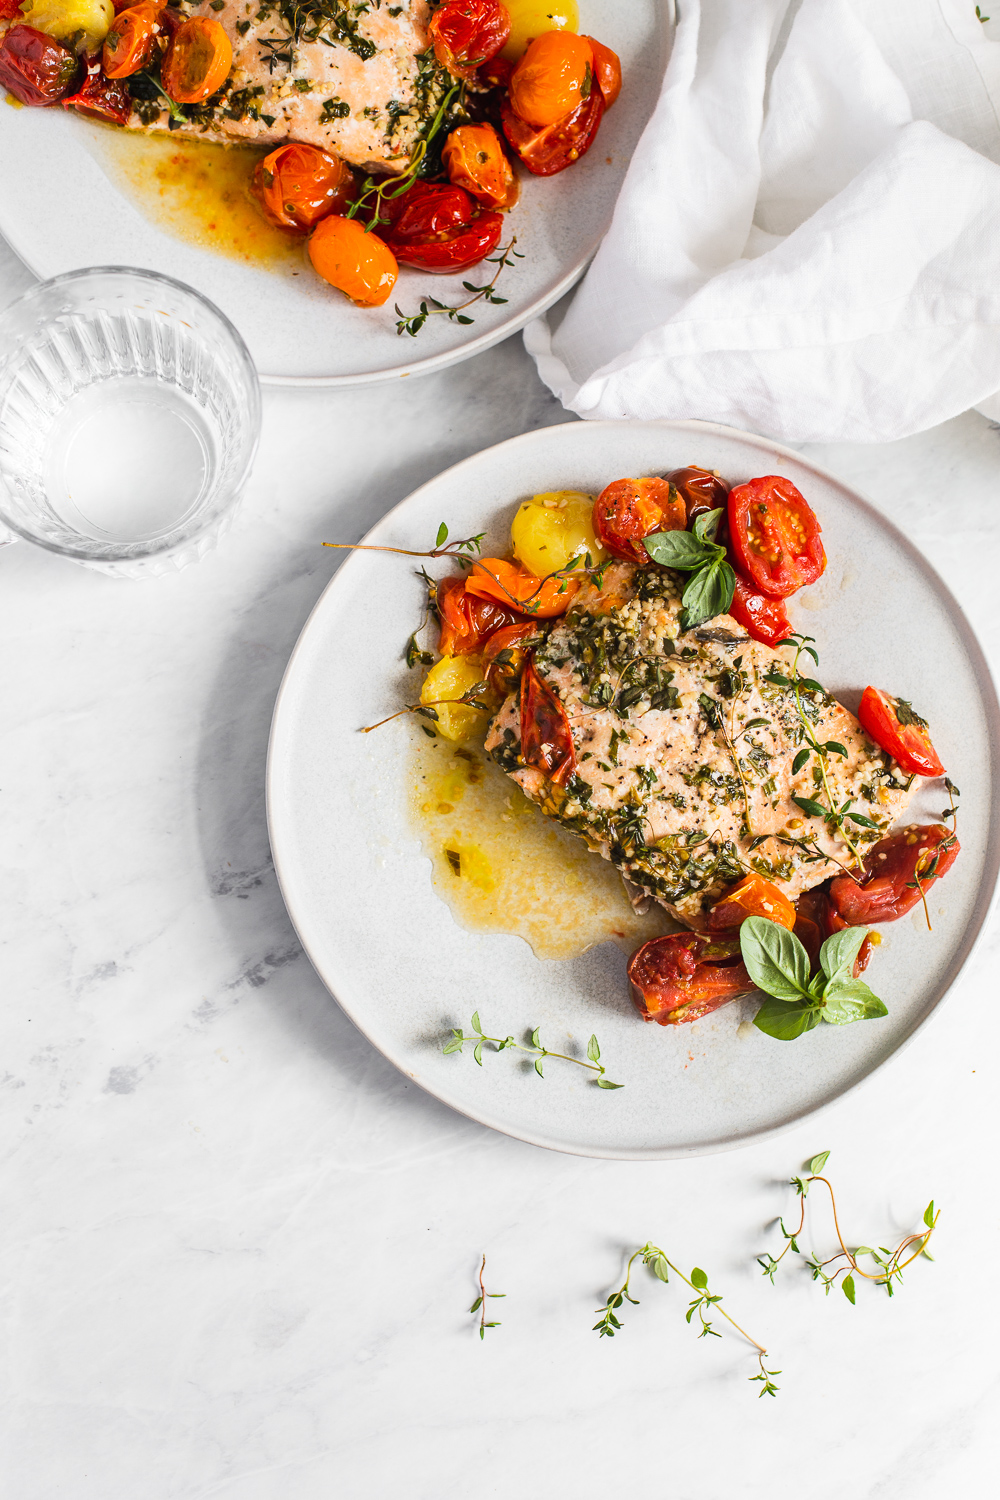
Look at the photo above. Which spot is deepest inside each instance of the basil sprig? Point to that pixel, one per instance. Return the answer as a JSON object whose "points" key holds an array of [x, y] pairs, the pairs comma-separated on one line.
{"points": [[779, 965], [712, 583]]}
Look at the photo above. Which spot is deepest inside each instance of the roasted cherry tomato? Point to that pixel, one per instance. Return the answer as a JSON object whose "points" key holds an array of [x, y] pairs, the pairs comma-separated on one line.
{"points": [[672, 982], [10, 10], [439, 228], [474, 160], [34, 68], [546, 738], [815, 921], [468, 33], [701, 491], [607, 71], [626, 510], [105, 98], [505, 651], [753, 896], [197, 62], [887, 888], [762, 618], [496, 73], [467, 620], [131, 41], [548, 149], [899, 729], [554, 77], [516, 588], [358, 264], [299, 185], [775, 536]]}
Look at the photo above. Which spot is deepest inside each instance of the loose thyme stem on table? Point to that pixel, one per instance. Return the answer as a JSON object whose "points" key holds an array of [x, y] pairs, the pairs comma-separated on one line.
{"points": [[479, 1306], [457, 1039]]}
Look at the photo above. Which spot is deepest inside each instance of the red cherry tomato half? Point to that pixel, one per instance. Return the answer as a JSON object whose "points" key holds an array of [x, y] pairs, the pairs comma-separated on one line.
{"points": [[888, 886], [763, 619], [815, 921], [546, 738], [753, 896], [104, 98], [775, 536], [439, 228], [900, 731], [466, 619], [34, 68], [672, 982], [626, 510], [548, 149], [467, 33]]}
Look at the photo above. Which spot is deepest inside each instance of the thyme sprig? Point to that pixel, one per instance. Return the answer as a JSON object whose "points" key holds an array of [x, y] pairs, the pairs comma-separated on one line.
{"points": [[460, 547], [891, 1263], [831, 813], [473, 697], [535, 1049], [431, 307], [704, 1300], [933, 860], [479, 1306]]}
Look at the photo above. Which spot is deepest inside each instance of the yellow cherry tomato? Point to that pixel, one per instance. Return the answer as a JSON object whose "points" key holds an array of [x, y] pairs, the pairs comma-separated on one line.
{"points": [[529, 18], [447, 680], [550, 530]]}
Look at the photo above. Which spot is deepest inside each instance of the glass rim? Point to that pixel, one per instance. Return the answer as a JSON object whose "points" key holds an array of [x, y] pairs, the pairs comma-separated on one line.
{"points": [[156, 547]]}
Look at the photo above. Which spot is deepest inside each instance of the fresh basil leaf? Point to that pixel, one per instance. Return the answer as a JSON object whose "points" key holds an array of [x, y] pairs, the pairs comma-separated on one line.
{"points": [[709, 593], [707, 524], [814, 809], [837, 955], [783, 1021], [851, 1000], [679, 549], [776, 961]]}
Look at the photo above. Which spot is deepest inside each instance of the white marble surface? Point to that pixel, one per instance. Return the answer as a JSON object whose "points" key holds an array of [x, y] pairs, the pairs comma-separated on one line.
{"points": [[237, 1246]]}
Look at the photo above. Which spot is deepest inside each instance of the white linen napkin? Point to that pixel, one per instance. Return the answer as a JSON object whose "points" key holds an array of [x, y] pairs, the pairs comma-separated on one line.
{"points": [[807, 241]]}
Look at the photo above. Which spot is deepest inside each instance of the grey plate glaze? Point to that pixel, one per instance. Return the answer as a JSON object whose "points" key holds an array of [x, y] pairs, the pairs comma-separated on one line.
{"points": [[358, 888], [298, 329]]}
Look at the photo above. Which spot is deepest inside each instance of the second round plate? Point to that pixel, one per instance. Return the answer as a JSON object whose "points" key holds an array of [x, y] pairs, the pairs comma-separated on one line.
{"points": [[358, 887]]}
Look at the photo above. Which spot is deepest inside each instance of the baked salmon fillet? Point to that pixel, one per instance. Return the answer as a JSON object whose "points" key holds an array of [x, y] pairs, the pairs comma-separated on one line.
{"points": [[684, 745], [357, 79]]}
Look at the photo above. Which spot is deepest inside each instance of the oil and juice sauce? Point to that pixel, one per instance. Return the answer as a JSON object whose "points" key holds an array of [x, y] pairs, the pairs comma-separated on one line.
{"points": [[502, 866], [199, 193]]}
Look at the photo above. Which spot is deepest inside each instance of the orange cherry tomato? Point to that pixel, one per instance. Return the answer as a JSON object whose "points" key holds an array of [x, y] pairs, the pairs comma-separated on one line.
{"points": [[629, 509], [898, 728], [299, 185], [474, 159], [197, 62], [515, 587], [131, 41], [607, 71], [358, 264], [467, 620], [753, 896], [553, 78]]}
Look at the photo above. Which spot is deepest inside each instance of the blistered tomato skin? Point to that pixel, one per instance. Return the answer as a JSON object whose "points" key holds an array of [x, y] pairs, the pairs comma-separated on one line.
{"points": [[467, 33], [297, 185], [762, 618], [553, 78], [102, 97], [197, 62], [439, 228], [888, 887], [358, 264], [899, 730], [467, 621], [753, 896], [34, 68], [546, 738], [673, 984], [607, 71], [131, 41], [474, 160], [514, 587]]}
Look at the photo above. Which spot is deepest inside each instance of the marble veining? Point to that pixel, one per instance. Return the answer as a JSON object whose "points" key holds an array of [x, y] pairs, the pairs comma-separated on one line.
{"points": [[238, 1247]]}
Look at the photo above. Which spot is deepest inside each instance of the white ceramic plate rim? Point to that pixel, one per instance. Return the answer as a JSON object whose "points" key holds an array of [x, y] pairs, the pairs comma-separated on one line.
{"points": [[985, 901]]}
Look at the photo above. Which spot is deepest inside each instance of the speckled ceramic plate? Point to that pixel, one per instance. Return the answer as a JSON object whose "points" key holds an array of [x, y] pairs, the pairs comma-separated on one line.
{"points": [[300, 331], [359, 889]]}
